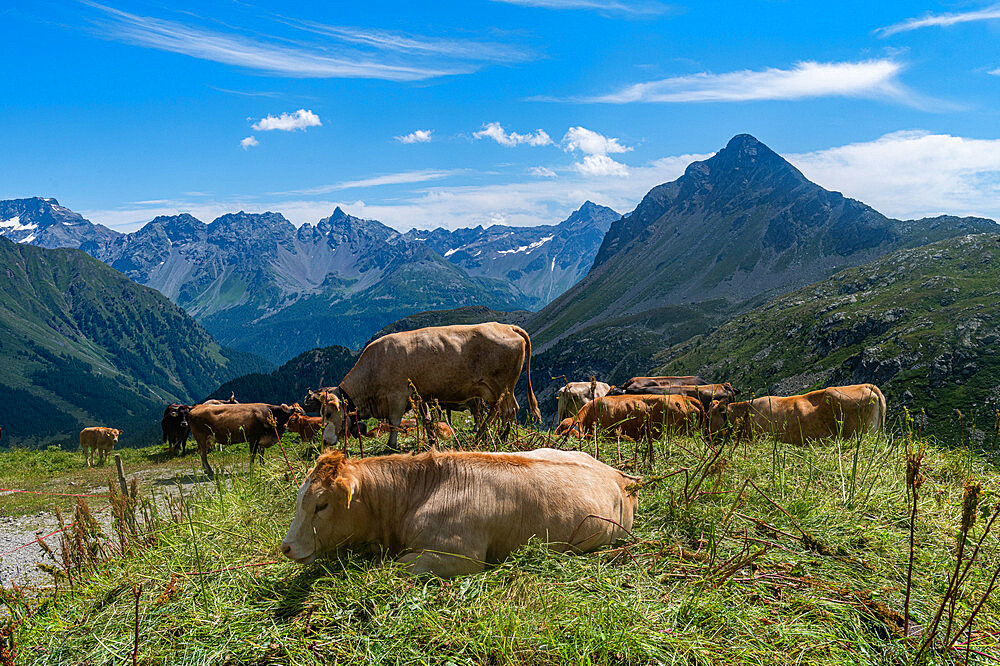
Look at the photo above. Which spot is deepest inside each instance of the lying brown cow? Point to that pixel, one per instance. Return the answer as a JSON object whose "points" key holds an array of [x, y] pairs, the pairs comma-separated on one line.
{"points": [[574, 395], [843, 411], [706, 394], [450, 364], [99, 440], [657, 382], [232, 400], [451, 513], [257, 423], [640, 417]]}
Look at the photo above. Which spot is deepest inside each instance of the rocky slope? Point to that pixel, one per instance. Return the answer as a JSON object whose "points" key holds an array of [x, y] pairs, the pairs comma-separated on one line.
{"points": [[542, 262], [922, 323], [82, 345], [45, 223], [258, 283], [735, 229]]}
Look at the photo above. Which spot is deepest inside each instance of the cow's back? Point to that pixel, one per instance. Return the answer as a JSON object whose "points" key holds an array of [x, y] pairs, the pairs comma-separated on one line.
{"points": [[440, 360], [503, 500]]}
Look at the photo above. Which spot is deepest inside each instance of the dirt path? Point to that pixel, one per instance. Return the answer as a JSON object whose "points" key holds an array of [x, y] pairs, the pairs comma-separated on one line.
{"points": [[20, 553]]}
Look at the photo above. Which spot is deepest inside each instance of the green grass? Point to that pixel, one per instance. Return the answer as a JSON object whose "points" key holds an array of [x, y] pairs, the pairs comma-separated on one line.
{"points": [[667, 598]]}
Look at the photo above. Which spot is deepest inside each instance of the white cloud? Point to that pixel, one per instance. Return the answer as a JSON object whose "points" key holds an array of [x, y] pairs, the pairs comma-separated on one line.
{"points": [[869, 78], [271, 55], [595, 166], [416, 136], [249, 142], [941, 20], [542, 172], [590, 142], [288, 122], [496, 132], [912, 174], [648, 7], [995, 72]]}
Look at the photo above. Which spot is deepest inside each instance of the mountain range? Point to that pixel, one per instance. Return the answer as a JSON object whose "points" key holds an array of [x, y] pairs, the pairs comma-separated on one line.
{"points": [[82, 345], [259, 284]]}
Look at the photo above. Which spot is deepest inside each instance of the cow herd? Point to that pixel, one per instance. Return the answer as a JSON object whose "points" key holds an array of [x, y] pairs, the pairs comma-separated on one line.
{"points": [[416, 507]]}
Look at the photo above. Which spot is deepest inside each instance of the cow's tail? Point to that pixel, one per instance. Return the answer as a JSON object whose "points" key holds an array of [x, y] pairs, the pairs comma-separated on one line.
{"points": [[882, 405], [532, 402]]}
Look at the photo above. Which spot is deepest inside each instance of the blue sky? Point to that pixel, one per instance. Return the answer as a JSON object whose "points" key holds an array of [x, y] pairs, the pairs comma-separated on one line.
{"points": [[461, 113]]}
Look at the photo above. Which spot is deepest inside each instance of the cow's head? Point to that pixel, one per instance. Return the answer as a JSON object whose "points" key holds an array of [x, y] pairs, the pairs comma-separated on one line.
{"points": [[115, 432], [567, 427], [328, 513], [336, 419], [281, 413], [313, 400]]}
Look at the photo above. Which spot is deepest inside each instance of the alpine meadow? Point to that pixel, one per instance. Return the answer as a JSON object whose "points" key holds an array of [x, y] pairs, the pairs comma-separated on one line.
{"points": [[513, 332]]}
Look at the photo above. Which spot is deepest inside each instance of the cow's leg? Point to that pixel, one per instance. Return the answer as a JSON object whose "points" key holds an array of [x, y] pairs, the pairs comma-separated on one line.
{"points": [[425, 412], [203, 446], [395, 420]]}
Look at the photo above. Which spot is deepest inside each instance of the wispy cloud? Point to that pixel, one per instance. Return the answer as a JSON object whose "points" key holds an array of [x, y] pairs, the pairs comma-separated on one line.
{"points": [[401, 178], [465, 49], [270, 55], [995, 72], [416, 136], [249, 142], [869, 78], [941, 20], [288, 122], [542, 172], [496, 132], [639, 8]]}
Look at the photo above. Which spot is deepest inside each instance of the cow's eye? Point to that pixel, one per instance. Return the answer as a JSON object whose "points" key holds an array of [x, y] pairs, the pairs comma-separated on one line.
{"points": [[321, 507]]}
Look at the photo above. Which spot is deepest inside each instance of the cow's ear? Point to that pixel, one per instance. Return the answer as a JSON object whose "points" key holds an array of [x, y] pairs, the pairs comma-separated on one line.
{"points": [[348, 485]]}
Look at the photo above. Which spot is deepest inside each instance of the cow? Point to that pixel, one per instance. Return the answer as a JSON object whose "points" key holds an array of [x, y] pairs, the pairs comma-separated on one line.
{"points": [[232, 400], [636, 383], [100, 440], [837, 411], [448, 364], [257, 423], [175, 427], [574, 395], [451, 513], [307, 428], [640, 417], [706, 394]]}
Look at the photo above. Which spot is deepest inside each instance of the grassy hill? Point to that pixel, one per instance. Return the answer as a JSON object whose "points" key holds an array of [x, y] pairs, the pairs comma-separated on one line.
{"points": [[82, 345], [922, 323], [769, 554]]}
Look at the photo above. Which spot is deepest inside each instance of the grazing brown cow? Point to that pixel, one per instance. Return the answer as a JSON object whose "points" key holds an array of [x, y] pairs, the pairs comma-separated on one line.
{"points": [[640, 417], [450, 364], [574, 395], [843, 411], [451, 513], [257, 423], [441, 429], [100, 440]]}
